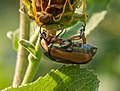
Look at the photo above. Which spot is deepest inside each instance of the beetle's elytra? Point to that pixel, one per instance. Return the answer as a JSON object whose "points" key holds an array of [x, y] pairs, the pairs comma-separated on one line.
{"points": [[74, 55]]}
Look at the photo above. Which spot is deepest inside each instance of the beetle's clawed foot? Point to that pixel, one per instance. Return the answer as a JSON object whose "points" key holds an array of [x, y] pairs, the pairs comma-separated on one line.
{"points": [[82, 31]]}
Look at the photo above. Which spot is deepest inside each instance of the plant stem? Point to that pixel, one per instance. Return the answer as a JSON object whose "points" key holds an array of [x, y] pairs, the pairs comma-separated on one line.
{"points": [[33, 62], [31, 70], [22, 56]]}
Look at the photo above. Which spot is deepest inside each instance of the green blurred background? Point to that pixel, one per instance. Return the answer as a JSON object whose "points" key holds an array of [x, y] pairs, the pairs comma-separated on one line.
{"points": [[106, 36]]}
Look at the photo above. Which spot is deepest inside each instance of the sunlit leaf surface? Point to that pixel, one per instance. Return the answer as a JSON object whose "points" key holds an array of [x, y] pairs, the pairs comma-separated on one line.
{"points": [[71, 78]]}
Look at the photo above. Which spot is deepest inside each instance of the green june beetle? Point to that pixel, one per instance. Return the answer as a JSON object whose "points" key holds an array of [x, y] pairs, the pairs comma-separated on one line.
{"points": [[67, 50]]}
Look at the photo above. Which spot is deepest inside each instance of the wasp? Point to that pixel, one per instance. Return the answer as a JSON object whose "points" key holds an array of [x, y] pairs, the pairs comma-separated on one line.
{"points": [[67, 50]]}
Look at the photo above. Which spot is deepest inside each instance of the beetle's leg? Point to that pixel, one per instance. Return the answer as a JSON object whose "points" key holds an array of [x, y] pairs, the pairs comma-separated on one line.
{"points": [[63, 31], [40, 30], [42, 34], [65, 43], [76, 37], [82, 34], [82, 31], [84, 39]]}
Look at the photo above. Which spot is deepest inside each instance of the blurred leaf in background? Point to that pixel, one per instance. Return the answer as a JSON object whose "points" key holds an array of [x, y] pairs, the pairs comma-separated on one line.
{"points": [[106, 37], [9, 19]]}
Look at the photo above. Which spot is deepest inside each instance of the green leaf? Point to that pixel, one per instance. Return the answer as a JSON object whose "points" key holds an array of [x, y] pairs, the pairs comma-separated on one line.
{"points": [[15, 39], [14, 36], [71, 78], [30, 47], [94, 20], [94, 6]]}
